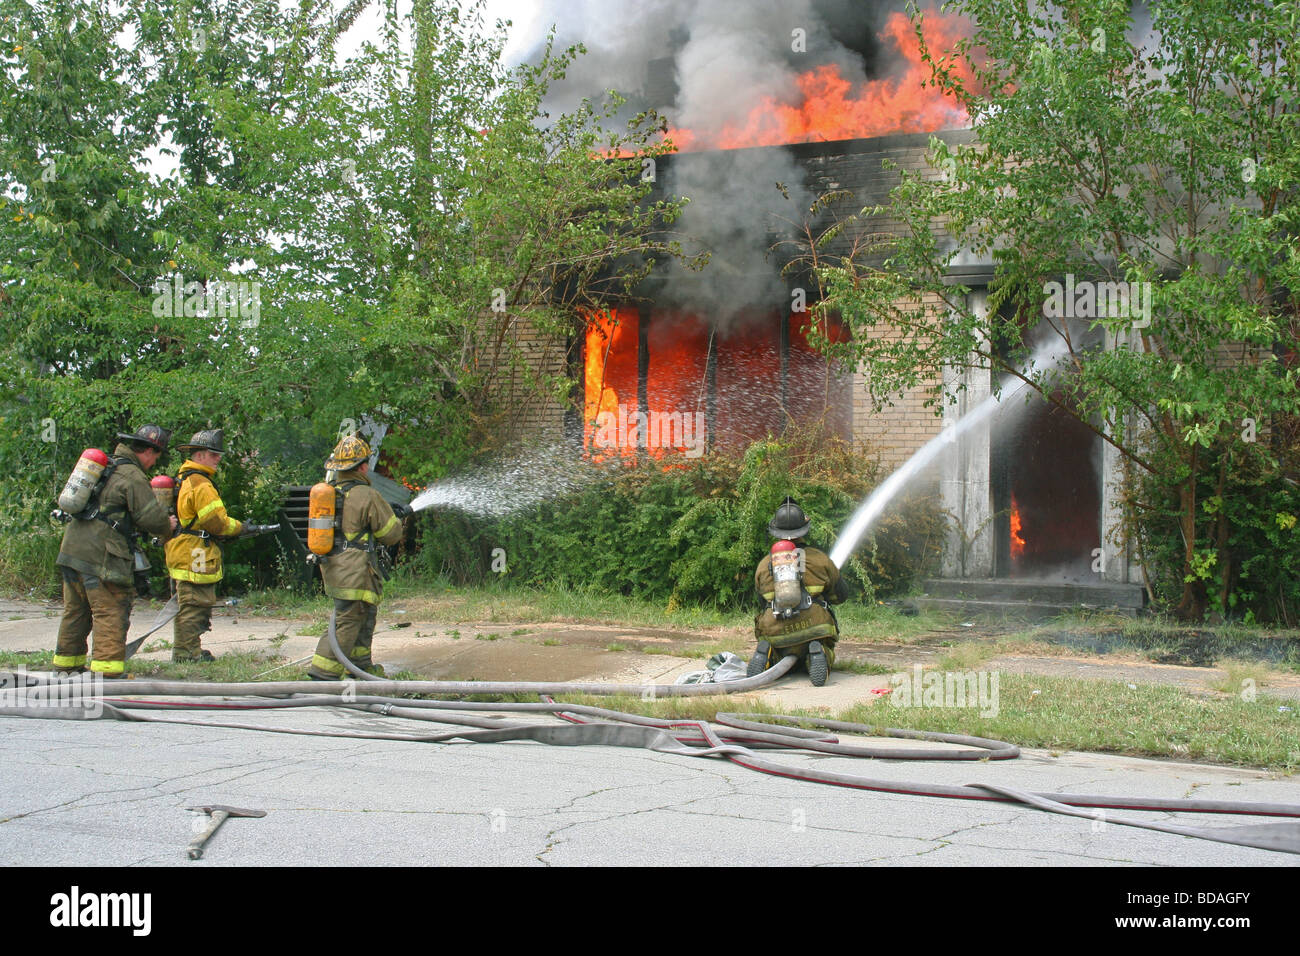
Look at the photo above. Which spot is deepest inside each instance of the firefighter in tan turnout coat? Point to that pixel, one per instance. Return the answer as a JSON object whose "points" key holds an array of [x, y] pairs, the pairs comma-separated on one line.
{"points": [[363, 523], [96, 556], [797, 584]]}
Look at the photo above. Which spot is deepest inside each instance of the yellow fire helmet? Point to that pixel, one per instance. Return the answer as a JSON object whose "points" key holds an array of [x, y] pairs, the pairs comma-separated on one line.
{"points": [[348, 454]]}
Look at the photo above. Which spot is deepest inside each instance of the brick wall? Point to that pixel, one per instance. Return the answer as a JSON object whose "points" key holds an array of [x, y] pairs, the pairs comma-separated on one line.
{"points": [[527, 356], [895, 432]]}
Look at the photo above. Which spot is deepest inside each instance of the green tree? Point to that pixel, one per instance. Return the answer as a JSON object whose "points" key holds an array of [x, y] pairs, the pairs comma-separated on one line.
{"points": [[1166, 155], [477, 216], [402, 213]]}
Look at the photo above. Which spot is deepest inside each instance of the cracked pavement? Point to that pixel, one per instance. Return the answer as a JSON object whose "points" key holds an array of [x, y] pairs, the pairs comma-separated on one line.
{"points": [[103, 792]]}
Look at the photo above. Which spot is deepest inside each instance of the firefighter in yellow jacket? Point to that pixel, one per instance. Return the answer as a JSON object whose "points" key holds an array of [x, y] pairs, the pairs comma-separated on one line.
{"points": [[363, 523], [193, 555]]}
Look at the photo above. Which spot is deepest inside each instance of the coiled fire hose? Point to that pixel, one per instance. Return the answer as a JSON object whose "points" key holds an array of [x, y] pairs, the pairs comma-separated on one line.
{"points": [[740, 738]]}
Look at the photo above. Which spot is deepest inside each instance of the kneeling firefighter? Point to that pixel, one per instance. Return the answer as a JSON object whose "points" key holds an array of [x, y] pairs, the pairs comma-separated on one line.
{"points": [[194, 554], [798, 584], [349, 521]]}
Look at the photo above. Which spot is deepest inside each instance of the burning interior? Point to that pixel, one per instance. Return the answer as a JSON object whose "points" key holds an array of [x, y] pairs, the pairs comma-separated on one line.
{"points": [[661, 381]]}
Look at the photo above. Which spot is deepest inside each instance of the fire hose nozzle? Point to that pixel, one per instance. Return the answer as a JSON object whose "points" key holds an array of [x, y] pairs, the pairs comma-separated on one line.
{"points": [[253, 529]]}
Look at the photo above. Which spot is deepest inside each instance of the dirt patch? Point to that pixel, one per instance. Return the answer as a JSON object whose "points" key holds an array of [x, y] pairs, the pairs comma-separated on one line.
{"points": [[509, 661]]}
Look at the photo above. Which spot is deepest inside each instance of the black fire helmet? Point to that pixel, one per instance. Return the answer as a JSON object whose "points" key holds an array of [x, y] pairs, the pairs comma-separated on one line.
{"points": [[789, 522]]}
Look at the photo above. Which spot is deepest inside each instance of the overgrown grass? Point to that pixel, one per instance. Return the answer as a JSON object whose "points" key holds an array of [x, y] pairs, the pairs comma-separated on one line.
{"points": [[1241, 676], [884, 624], [968, 656], [1111, 717], [500, 603], [27, 568], [27, 660], [231, 667], [851, 666], [1166, 641], [1099, 620], [285, 602], [235, 666]]}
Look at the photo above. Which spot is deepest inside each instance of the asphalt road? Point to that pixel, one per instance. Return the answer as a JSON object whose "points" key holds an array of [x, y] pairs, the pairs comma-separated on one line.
{"points": [[108, 793]]}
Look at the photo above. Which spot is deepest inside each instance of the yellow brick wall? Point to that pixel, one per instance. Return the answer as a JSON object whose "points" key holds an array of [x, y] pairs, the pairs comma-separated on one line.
{"points": [[530, 413], [898, 430]]}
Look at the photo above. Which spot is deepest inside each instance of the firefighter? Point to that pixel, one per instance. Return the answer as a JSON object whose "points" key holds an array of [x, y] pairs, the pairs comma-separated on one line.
{"points": [[95, 557], [194, 556], [796, 619], [363, 523]]}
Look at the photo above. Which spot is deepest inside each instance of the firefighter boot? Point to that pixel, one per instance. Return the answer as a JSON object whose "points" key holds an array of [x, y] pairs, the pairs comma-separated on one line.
{"points": [[818, 666]]}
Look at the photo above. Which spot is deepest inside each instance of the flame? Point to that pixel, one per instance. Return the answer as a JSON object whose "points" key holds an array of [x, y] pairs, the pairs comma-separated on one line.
{"points": [[611, 338], [1017, 542], [832, 107], [677, 354], [751, 396]]}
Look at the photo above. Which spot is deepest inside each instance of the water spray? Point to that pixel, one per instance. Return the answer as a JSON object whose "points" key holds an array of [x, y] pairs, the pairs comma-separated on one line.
{"points": [[1044, 358], [509, 486]]}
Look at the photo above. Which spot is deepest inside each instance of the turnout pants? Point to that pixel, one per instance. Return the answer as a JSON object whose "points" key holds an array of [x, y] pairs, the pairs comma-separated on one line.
{"points": [[90, 604], [196, 602], [793, 635], [354, 626], [800, 651]]}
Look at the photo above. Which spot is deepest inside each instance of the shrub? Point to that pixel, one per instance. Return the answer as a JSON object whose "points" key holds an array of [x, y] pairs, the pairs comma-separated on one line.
{"points": [[1247, 560], [691, 533]]}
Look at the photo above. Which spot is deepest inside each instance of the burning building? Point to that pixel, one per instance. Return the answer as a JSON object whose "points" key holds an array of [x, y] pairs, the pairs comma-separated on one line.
{"points": [[779, 108], [776, 107]]}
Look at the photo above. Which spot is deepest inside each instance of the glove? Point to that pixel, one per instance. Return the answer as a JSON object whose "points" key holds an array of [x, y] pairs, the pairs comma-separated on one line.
{"points": [[252, 529], [403, 511]]}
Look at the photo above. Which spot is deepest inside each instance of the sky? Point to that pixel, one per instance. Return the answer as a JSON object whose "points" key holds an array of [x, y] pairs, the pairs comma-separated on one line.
{"points": [[522, 14]]}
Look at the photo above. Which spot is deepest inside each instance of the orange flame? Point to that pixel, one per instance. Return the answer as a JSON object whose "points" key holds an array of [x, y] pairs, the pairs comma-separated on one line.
{"points": [[1017, 542], [832, 108], [612, 427], [611, 338]]}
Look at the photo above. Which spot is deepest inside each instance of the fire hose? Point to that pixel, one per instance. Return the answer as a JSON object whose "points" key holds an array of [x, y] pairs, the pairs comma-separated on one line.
{"points": [[739, 738]]}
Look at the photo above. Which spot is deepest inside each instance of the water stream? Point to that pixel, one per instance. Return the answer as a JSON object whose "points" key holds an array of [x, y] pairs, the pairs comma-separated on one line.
{"points": [[509, 486], [1044, 357]]}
